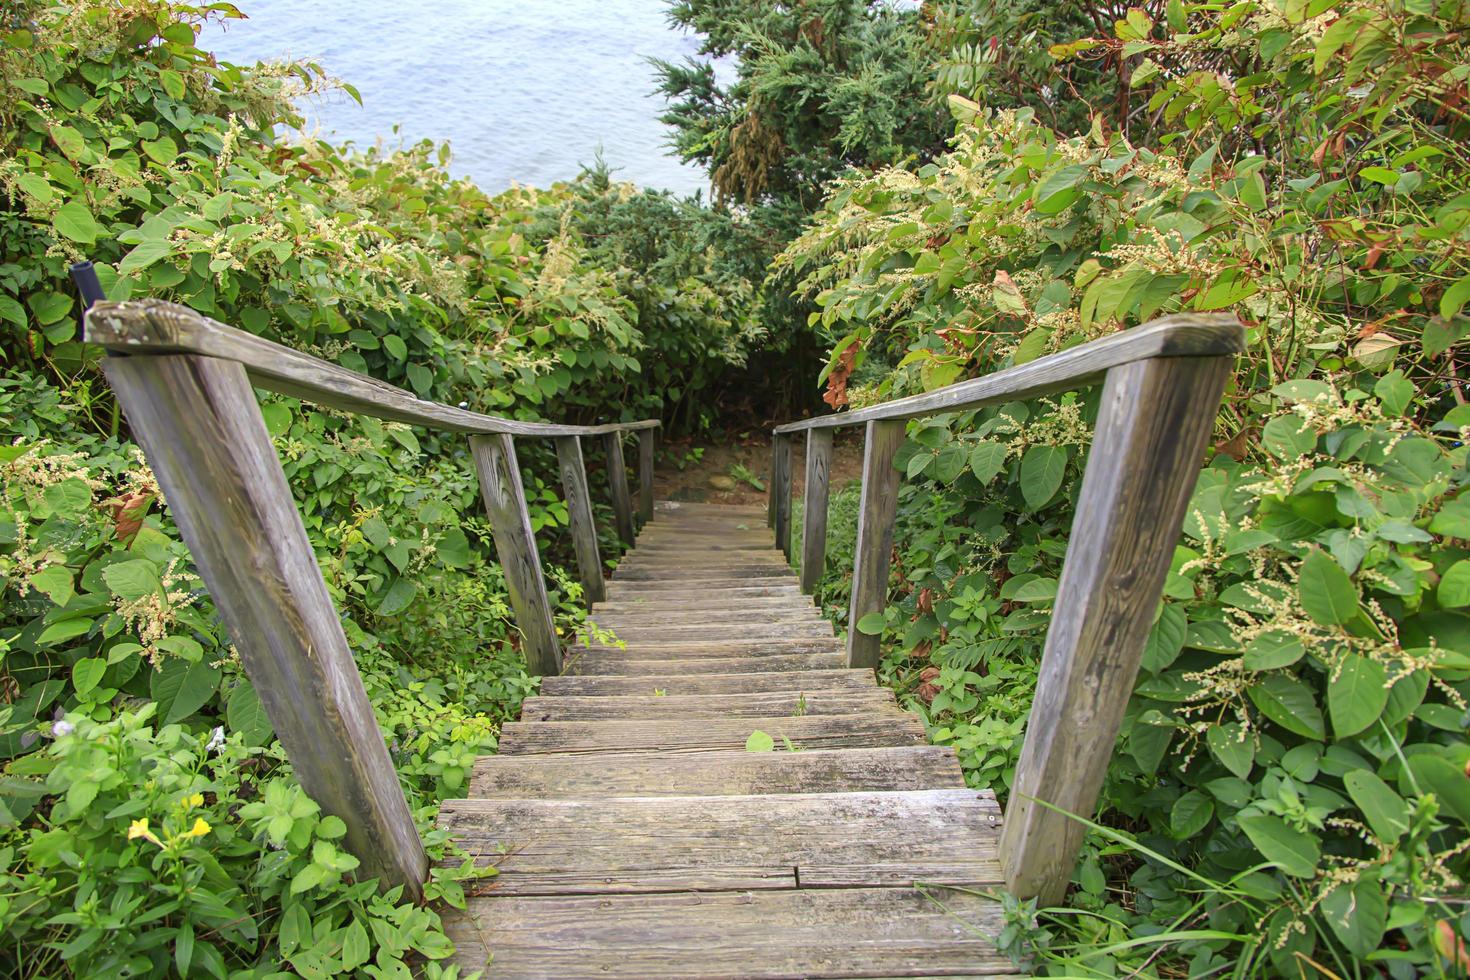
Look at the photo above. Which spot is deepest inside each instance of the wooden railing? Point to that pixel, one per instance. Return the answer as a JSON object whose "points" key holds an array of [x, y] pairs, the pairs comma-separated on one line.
{"points": [[186, 385], [1162, 385]]}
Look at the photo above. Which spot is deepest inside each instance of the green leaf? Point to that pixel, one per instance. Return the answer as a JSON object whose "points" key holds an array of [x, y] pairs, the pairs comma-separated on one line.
{"points": [[1357, 913], [397, 597], [55, 581], [1454, 586], [1232, 747], [75, 221], [1273, 650], [396, 348], [67, 629], [1059, 188], [987, 459], [277, 418], [87, 674], [1455, 298], [132, 579], [196, 686], [173, 83], [144, 255], [356, 947], [872, 624], [1327, 593], [1395, 391], [1290, 704], [1190, 814], [1358, 695], [162, 150], [1386, 812], [69, 142], [454, 548], [1042, 468], [759, 741], [245, 714], [37, 186], [1293, 851], [1285, 437]]}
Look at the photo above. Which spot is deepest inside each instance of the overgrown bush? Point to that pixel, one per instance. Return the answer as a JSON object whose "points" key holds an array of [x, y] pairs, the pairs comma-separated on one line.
{"points": [[1291, 787]]}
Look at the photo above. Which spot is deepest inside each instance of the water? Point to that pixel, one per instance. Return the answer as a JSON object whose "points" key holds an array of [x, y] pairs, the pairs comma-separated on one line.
{"points": [[523, 91]]}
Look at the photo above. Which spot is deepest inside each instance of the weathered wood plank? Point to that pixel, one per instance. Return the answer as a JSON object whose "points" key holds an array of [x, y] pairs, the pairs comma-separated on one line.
{"points": [[712, 562], [741, 615], [675, 576], [814, 508], [781, 492], [623, 844], [687, 684], [807, 627], [1153, 423], [515, 545], [579, 516], [754, 649], [202, 432], [647, 440], [760, 935], [716, 607], [617, 478], [600, 665], [156, 327], [703, 734], [876, 514], [738, 773], [656, 591], [1180, 335], [793, 703], [703, 507]]}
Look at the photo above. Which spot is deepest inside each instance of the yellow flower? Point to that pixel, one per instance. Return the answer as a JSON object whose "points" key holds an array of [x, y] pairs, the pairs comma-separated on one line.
{"points": [[199, 829], [190, 802], [139, 828]]}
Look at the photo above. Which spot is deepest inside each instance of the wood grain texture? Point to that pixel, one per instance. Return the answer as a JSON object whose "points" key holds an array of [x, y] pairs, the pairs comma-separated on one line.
{"points": [[1180, 335], [814, 508], [755, 935], [781, 492], [877, 510], [682, 649], [515, 545], [202, 433], [708, 843], [689, 683], [617, 481], [150, 326], [583, 527], [1154, 421], [790, 703], [805, 627], [671, 592], [647, 442], [646, 617], [600, 665], [735, 773], [717, 606], [704, 734]]}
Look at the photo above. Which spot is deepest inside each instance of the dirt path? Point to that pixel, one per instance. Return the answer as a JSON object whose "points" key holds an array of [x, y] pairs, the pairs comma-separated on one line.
{"points": [[721, 473]]}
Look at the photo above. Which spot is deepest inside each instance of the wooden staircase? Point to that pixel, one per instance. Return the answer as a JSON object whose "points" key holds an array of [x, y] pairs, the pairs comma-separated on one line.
{"points": [[637, 837]]}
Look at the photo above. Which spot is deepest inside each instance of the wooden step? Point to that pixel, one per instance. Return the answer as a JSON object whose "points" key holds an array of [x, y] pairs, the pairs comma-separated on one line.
{"points": [[774, 704], [689, 649], [720, 843], [755, 631], [684, 575], [735, 773], [685, 684], [756, 935], [663, 592], [675, 735], [600, 665], [643, 619], [713, 606]]}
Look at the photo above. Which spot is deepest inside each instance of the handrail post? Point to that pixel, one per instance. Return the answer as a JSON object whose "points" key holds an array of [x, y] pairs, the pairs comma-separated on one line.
{"points": [[781, 491], [1155, 419], [579, 516], [814, 508], [515, 545], [202, 433], [876, 514], [617, 478], [647, 440]]}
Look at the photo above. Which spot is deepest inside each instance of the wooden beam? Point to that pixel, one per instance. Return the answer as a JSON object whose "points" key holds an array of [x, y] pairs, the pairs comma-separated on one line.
{"points": [[515, 544], [1180, 335], [781, 492], [647, 440], [617, 478], [814, 508], [151, 326], [202, 432], [1155, 419], [876, 514], [579, 516]]}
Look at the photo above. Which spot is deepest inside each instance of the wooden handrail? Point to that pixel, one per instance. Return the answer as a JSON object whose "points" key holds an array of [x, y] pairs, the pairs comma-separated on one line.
{"points": [[186, 385], [1162, 385], [1180, 335], [151, 326]]}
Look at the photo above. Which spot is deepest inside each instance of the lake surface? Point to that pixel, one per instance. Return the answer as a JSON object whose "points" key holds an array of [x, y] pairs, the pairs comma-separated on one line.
{"points": [[524, 92]]}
